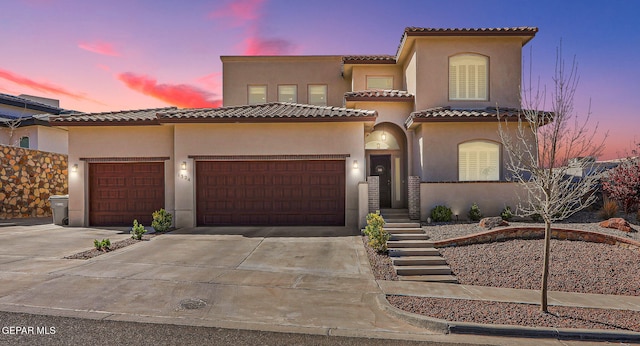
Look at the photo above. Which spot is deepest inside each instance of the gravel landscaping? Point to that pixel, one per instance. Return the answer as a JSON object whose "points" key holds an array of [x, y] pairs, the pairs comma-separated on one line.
{"points": [[576, 266]]}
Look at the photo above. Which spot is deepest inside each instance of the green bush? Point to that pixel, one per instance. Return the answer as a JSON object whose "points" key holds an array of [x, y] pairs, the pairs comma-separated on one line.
{"points": [[137, 230], [474, 213], [506, 213], [441, 213], [161, 220], [378, 237], [103, 244]]}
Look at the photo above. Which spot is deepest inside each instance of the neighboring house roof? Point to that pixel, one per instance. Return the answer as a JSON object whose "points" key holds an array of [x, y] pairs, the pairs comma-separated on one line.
{"points": [[269, 112], [379, 95], [444, 114], [36, 119], [17, 101]]}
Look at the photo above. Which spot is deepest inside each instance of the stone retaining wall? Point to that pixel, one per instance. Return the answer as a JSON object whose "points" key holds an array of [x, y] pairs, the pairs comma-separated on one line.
{"points": [[538, 233], [27, 179]]}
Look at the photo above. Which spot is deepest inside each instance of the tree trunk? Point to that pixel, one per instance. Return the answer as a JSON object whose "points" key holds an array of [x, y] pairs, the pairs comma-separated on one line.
{"points": [[545, 266]]}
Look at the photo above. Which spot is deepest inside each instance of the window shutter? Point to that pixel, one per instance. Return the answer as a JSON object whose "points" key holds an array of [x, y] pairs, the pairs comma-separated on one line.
{"points": [[479, 161], [453, 82], [468, 77]]}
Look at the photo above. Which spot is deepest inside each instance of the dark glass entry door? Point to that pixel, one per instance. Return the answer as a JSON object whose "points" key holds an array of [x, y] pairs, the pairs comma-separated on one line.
{"points": [[381, 166]]}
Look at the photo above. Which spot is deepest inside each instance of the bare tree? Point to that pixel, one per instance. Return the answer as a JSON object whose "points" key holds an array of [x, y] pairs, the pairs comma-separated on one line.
{"points": [[540, 150], [13, 125]]}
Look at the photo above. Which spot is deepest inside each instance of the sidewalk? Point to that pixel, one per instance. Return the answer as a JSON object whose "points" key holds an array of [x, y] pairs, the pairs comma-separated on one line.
{"points": [[522, 296]]}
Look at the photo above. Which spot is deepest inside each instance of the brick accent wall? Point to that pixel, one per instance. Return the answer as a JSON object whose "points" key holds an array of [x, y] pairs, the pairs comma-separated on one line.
{"points": [[414, 198], [27, 179], [374, 193]]}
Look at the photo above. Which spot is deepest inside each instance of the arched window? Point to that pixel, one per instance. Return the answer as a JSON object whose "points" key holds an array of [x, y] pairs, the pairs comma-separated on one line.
{"points": [[468, 77], [478, 161]]}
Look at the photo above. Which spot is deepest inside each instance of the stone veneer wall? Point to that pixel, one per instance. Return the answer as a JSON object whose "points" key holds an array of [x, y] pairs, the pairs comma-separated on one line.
{"points": [[537, 233], [27, 179]]}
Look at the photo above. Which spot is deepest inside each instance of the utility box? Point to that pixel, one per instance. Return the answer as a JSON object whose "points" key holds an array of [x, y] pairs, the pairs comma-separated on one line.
{"points": [[60, 209]]}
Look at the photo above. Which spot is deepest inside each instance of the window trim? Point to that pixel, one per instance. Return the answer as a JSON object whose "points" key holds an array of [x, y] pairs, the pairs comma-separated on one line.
{"points": [[499, 159], [266, 91], [326, 94], [488, 74], [366, 81], [295, 95]]}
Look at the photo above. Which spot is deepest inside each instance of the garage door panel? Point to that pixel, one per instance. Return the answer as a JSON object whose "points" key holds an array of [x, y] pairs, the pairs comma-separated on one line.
{"points": [[122, 192], [270, 192]]}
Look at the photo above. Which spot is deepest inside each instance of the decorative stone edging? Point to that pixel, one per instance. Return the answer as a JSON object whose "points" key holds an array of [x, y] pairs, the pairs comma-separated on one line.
{"points": [[537, 233]]}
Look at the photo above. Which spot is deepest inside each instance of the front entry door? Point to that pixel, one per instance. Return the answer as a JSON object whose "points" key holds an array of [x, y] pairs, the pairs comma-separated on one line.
{"points": [[381, 166]]}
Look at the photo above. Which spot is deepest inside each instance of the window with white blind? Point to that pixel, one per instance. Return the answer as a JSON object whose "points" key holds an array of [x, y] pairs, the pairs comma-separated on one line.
{"points": [[479, 161], [379, 82], [257, 94], [288, 93], [317, 94], [468, 77]]}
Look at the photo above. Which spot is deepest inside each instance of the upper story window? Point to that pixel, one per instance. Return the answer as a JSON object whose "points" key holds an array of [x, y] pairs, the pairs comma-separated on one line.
{"points": [[379, 82], [317, 94], [479, 160], [288, 93], [468, 77], [24, 142], [257, 94]]}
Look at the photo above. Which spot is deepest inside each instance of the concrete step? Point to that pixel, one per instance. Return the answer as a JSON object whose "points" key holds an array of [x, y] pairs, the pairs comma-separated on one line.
{"points": [[430, 278], [425, 251], [406, 224], [393, 244], [409, 236], [418, 260], [423, 270], [396, 230]]}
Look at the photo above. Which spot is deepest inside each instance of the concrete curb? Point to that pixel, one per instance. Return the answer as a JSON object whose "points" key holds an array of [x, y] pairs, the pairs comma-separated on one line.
{"points": [[447, 327]]}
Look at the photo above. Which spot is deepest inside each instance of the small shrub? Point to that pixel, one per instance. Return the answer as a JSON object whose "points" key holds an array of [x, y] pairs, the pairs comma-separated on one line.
{"points": [[474, 213], [441, 213], [609, 210], [378, 237], [506, 213], [161, 220], [137, 230], [103, 244], [536, 217]]}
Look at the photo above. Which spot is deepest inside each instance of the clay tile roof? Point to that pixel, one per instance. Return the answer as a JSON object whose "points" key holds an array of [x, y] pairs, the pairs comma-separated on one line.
{"points": [[277, 111], [369, 59], [379, 95], [128, 117], [449, 114]]}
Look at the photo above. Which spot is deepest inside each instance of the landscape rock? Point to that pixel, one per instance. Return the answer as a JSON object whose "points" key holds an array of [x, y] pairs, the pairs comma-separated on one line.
{"points": [[617, 223], [492, 222]]}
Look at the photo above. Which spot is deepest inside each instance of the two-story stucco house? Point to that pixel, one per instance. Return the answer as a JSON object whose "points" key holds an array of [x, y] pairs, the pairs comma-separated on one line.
{"points": [[313, 140]]}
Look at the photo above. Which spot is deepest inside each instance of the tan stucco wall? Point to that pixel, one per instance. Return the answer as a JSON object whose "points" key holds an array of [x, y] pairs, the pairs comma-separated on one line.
{"points": [[440, 147], [53, 139], [432, 70], [491, 197], [360, 73], [239, 72], [114, 141], [267, 139]]}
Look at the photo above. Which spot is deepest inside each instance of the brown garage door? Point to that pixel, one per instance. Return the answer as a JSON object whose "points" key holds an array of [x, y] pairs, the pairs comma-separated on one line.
{"points": [[122, 192], [275, 193]]}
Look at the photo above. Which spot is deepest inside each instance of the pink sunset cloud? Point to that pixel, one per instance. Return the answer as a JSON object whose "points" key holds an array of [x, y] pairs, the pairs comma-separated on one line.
{"points": [[239, 11], [99, 47], [212, 81], [260, 46], [40, 86], [180, 95]]}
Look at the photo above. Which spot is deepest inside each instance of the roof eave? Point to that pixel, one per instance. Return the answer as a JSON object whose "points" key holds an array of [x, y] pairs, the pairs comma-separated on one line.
{"points": [[248, 120]]}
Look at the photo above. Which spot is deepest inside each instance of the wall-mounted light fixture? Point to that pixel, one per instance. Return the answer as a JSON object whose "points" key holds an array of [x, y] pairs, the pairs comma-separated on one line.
{"points": [[74, 168], [355, 164], [384, 135], [183, 165]]}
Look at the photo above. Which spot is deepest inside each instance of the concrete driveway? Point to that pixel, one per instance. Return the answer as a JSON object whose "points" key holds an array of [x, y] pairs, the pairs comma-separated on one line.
{"points": [[294, 279]]}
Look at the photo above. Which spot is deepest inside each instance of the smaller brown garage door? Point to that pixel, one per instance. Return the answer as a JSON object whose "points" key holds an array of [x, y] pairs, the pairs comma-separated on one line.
{"points": [[122, 192], [271, 193]]}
